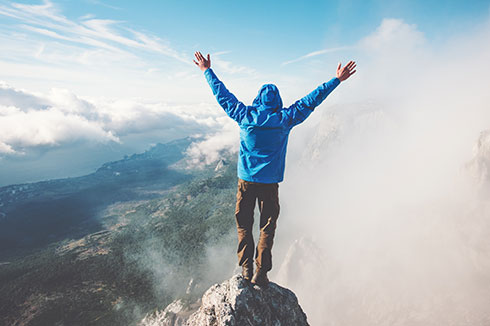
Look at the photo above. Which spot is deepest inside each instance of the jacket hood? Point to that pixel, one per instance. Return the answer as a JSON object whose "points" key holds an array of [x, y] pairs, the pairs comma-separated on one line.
{"points": [[268, 98]]}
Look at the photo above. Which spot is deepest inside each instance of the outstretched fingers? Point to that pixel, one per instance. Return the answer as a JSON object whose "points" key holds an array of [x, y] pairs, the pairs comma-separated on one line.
{"points": [[351, 65], [343, 73], [201, 61], [199, 56]]}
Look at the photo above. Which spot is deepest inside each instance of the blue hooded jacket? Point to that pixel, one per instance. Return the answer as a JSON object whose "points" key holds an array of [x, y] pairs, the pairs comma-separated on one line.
{"points": [[265, 126]]}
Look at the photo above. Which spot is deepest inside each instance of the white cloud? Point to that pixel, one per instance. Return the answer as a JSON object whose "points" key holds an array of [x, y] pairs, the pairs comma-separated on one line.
{"points": [[228, 67], [394, 34], [28, 120], [383, 190], [50, 127], [215, 144], [61, 118], [391, 34], [316, 53], [10, 96], [479, 166], [6, 149]]}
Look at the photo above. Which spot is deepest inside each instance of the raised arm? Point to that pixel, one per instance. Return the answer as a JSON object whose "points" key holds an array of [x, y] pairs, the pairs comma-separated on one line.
{"points": [[234, 108], [302, 108]]}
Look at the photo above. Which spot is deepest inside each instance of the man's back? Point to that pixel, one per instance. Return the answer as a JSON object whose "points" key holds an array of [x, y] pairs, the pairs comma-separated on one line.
{"points": [[265, 126], [264, 131]]}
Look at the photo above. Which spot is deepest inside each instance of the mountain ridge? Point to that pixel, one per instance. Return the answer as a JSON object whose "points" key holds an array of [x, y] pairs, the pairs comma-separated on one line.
{"points": [[139, 256]]}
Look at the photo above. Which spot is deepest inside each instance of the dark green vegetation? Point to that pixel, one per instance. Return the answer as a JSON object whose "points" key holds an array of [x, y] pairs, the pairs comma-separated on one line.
{"points": [[32, 215], [145, 239]]}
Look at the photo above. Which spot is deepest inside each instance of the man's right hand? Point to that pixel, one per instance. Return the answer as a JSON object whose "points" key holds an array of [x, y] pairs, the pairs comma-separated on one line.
{"points": [[345, 72], [201, 62]]}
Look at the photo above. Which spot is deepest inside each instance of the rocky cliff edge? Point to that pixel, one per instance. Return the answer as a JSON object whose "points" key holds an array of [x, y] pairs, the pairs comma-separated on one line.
{"points": [[234, 302]]}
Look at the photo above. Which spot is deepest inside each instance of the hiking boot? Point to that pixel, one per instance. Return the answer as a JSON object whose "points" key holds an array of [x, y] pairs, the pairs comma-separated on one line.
{"points": [[247, 272], [260, 278]]}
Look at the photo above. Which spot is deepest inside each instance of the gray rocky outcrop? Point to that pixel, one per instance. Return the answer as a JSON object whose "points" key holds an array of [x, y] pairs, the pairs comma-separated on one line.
{"points": [[236, 302]]}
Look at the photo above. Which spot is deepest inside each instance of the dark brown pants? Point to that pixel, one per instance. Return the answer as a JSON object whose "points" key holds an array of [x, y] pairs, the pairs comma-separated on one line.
{"points": [[267, 196]]}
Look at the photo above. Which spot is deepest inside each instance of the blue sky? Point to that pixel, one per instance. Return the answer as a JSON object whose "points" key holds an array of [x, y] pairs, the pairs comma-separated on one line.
{"points": [[114, 77], [274, 26], [254, 34]]}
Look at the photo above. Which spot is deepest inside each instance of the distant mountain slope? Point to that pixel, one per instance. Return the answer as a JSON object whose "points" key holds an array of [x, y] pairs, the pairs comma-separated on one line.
{"points": [[32, 215], [140, 257]]}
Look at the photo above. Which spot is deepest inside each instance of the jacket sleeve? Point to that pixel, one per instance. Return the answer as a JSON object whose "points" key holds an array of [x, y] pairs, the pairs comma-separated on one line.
{"points": [[301, 109], [234, 108]]}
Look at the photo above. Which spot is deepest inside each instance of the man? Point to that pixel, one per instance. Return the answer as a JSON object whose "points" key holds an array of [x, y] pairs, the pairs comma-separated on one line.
{"points": [[264, 131]]}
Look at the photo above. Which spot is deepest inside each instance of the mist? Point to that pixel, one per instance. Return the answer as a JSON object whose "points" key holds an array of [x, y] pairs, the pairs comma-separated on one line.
{"points": [[59, 134], [384, 218], [384, 212]]}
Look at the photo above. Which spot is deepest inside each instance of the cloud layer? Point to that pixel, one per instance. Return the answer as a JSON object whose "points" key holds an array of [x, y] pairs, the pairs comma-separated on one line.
{"points": [[380, 202], [384, 207], [61, 118]]}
